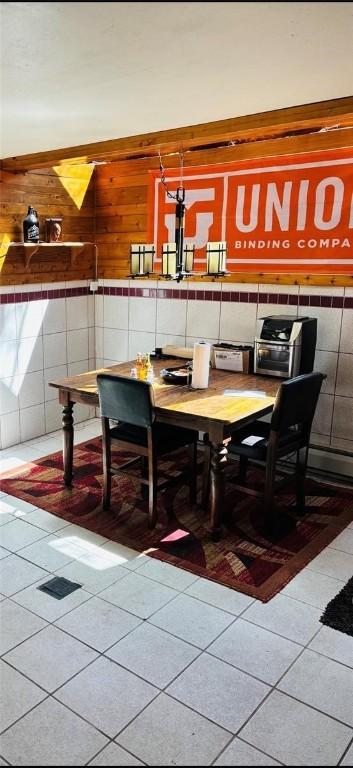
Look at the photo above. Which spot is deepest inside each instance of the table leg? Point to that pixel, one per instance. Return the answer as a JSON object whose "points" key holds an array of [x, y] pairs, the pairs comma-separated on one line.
{"points": [[68, 441], [217, 484]]}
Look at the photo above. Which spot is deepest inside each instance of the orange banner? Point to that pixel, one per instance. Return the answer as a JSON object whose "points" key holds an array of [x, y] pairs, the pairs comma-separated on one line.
{"points": [[278, 214]]}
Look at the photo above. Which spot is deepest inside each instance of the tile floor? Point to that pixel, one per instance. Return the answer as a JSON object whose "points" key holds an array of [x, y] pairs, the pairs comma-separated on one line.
{"points": [[148, 664]]}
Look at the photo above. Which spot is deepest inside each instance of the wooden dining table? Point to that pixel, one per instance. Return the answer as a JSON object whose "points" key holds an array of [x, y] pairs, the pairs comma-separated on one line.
{"points": [[210, 411]]}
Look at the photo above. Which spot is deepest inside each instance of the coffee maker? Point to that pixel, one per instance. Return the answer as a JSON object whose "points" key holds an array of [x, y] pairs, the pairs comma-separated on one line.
{"points": [[285, 345]]}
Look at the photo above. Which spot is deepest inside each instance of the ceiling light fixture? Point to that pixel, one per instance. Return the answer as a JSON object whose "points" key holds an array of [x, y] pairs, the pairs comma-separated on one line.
{"points": [[183, 255]]}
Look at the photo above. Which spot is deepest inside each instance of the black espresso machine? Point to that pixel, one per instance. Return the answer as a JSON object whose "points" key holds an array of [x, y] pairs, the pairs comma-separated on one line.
{"points": [[285, 345]]}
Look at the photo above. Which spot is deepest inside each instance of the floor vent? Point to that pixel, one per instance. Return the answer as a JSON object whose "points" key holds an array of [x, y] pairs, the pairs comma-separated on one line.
{"points": [[59, 587]]}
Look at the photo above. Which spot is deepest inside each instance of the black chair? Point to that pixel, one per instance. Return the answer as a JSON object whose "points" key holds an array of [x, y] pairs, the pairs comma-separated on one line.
{"points": [[287, 433], [130, 402]]}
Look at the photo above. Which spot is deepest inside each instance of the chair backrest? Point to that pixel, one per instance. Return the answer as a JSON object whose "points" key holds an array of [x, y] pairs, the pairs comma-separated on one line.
{"points": [[296, 402], [125, 399]]}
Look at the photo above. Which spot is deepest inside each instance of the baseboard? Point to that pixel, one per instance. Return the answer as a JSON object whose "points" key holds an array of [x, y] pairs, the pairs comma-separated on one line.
{"points": [[335, 463]]}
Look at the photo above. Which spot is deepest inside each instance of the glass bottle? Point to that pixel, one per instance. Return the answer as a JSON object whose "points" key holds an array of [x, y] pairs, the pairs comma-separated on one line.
{"points": [[148, 367], [139, 366], [31, 226]]}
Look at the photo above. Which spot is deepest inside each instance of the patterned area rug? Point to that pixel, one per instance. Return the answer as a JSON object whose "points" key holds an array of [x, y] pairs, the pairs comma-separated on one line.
{"points": [[339, 612], [244, 559]]}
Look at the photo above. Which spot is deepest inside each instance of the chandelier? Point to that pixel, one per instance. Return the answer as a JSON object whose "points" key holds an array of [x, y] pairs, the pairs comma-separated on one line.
{"points": [[177, 257]]}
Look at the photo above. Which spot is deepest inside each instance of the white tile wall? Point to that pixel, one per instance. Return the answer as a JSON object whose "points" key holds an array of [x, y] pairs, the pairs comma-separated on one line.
{"points": [[32, 422], [55, 352], [7, 322], [141, 342], [116, 313], [171, 317], [91, 341], [77, 345], [162, 339], [115, 344], [90, 300], [30, 354], [326, 362], [8, 357], [31, 391], [343, 418], [45, 340], [75, 369], [346, 342], [155, 322], [53, 374], [53, 413], [323, 417], [238, 322], [30, 316], [202, 318], [10, 429], [38, 341], [54, 319], [8, 395], [276, 309], [345, 376], [98, 310], [142, 314], [328, 326], [77, 312]]}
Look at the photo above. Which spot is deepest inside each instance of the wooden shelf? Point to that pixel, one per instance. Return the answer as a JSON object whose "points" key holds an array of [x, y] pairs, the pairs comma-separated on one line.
{"points": [[30, 249]]}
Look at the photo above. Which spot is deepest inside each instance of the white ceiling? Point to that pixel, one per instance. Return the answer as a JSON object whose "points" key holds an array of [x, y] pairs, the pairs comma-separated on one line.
{"points": [[74, 73]]}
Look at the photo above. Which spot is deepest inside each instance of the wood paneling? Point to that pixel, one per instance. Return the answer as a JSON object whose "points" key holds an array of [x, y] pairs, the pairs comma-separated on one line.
{"points": [[265, 125], [122, 185], [114, 210], [51, 196]]}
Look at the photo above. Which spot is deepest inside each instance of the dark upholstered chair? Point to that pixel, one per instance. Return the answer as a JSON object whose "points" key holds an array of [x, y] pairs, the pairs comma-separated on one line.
{"points": [[287, 433], [130, 403]]}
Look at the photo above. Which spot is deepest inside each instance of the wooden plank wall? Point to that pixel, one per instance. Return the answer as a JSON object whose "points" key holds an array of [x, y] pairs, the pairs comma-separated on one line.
{"points": [[122, 191], [114, 209], [51, 196]]}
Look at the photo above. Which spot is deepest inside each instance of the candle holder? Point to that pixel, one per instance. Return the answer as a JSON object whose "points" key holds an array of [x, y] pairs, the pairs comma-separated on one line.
{"points": [[216, 259], [169, 261], [185, 267], [141, 259]]}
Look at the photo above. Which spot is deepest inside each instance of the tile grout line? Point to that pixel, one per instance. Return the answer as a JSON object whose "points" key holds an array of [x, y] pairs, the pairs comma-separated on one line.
{"points": [[332, 436], [111, 741], [99, 655], [98, 594], [346, 751], [181, 592], [147, 620], [271, 691], [247, 743], [102, 654], [206, 650]]}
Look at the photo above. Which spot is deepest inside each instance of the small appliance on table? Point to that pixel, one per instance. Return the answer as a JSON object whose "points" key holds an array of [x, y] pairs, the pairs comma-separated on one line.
{"points": [[285, 345]]}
